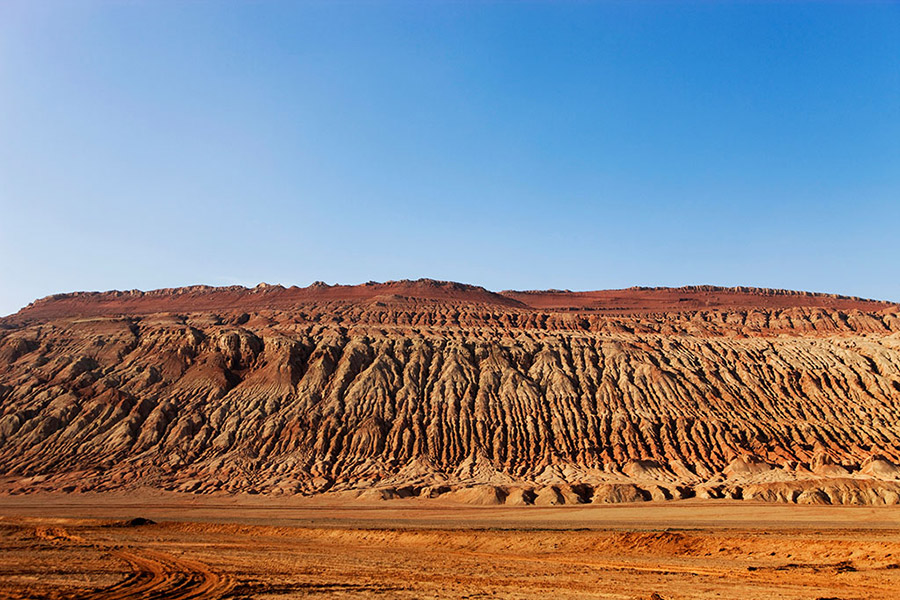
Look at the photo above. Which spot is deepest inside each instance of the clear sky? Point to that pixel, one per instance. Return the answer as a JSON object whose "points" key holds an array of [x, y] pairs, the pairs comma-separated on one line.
{"points": [[507, 144]]}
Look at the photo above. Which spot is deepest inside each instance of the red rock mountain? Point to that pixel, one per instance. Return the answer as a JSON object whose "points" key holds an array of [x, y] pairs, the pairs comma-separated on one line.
{"points": [[442, 389]]}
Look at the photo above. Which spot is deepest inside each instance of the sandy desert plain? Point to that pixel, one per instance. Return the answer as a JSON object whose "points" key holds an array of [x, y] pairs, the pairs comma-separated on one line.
{"points": [[156, 545], [436, 440]]}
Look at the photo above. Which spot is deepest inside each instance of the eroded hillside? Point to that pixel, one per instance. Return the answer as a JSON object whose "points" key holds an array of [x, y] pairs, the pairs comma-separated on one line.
{"points": [[436, 389]]}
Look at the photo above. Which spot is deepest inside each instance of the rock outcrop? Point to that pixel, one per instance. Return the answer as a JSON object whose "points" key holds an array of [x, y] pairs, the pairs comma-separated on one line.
{"points": [[450, 391]]}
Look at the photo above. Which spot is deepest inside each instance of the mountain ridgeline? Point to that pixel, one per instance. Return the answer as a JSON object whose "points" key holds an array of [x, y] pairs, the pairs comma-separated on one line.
{"points": [[437, 389]]}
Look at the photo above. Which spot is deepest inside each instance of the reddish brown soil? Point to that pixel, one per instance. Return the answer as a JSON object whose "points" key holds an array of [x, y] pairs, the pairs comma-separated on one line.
{"points": [[414, 293], [690, 298], [763, 552], [263, 297]]}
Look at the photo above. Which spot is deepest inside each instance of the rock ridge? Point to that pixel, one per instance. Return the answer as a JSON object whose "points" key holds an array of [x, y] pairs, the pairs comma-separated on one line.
{"points": [[440, 390]]}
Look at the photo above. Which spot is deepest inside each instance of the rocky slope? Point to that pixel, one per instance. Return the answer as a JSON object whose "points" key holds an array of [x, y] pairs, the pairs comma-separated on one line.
{"points": [[441, 389]]}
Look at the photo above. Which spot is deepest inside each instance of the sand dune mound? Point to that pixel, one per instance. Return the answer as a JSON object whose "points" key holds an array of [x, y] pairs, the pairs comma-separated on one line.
{"points": [[881, 468], [616, 493], [824, 465], [647, 469], [838, 491], [485, 495], [747, 465]]}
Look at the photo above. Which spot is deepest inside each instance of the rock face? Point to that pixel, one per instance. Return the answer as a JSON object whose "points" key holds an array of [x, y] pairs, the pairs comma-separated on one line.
{"points": [[445, 390]]}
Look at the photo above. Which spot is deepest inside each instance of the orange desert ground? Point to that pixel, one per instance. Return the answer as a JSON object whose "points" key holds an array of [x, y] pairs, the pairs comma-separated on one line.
{"points": [[428, 439]]}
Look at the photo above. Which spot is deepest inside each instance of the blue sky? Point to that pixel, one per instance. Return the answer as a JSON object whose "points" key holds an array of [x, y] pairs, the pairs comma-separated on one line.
{"points": [[508, 144]]}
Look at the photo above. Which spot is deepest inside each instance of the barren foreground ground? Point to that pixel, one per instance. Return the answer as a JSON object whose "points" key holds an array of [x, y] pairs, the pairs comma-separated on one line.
{"points": [[94, 546]]}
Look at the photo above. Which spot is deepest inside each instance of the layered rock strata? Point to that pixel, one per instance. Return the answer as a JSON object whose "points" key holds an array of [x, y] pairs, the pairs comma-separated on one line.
{"points": [[453, 392]]}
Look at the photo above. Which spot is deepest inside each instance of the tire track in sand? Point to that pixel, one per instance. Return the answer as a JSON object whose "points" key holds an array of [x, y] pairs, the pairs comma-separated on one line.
{"points": [[154, 575], [160, 576]]}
